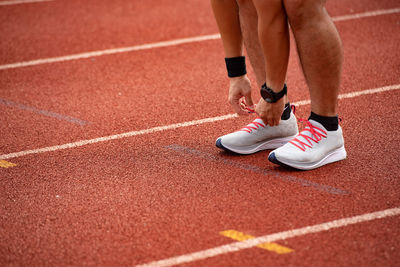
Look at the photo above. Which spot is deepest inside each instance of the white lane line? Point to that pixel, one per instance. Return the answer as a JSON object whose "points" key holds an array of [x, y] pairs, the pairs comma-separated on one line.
{"points": [[356, 93], [367, 14], [370, 91], [116, 136], [16, 2], [110, 51], [166, 43], [172, 126], [236, 246]]}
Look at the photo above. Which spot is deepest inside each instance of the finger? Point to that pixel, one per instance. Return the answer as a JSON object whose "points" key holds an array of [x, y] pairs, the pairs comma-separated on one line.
{"points": [[274, 122], [249, 100], [265, 119], [277, 121], [271, 121], [236, 106], [245, 107]]}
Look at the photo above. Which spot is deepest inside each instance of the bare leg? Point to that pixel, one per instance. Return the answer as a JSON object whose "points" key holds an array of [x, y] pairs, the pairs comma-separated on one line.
{"points": [[248, 22], [273, 33], [249, 25], [320, 51]]}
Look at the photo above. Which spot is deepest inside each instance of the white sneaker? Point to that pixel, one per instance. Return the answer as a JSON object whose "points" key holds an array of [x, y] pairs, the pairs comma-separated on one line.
{"points": [[257, 136], [313, 147]]}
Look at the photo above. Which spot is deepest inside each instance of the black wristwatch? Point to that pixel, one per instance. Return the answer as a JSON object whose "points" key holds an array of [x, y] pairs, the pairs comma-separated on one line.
{"points": [[270, 96]]}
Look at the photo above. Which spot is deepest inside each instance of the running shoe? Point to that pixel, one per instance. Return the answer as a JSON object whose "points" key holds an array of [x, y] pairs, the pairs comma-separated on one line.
{"points": [[257, 136], [313, 147]]}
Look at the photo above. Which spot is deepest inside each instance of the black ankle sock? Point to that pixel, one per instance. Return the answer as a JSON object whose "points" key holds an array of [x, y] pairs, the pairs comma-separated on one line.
{"points": [[286, 112], [330, 123]]}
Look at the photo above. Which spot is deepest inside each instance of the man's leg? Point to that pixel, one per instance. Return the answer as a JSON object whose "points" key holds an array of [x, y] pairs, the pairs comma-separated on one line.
{"points": [[321, 55], [273, 34], [257, 136], [320, 51], [249, 25]]}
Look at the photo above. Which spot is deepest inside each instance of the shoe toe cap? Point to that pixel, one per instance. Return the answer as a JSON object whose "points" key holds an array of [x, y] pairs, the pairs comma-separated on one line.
{"points": [[218, 143], [272, 158]]}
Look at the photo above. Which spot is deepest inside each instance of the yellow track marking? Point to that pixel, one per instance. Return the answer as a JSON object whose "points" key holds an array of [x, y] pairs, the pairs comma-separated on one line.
{"points": [[239, 236], [6, 164]]}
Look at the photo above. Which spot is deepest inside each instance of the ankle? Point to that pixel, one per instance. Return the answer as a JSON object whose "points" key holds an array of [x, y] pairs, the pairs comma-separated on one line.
{"points": [[330, 123]]}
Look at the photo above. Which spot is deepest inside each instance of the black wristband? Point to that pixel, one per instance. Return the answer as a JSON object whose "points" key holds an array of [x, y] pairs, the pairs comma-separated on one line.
{"points": [[236, 66]]}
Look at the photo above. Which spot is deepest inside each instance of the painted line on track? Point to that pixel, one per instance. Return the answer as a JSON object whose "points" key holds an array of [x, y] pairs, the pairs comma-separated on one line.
{"points": [[17, 2], [356, 93], [168, 43], [43, 112], [117, 136], [110, 51], [256, 169], [239, 236], [171, 127], [6, 164], [237, 246], [366, 14]]}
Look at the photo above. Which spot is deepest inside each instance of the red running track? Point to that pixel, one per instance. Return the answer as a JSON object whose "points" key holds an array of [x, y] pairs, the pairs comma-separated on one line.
{"points": [[154, 196]]}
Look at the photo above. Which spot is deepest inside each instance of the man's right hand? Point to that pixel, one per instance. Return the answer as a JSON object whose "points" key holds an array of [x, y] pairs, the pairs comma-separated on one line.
{"points": [[240, 87]]}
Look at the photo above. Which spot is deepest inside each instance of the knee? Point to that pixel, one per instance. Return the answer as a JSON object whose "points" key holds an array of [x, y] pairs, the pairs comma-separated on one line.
{"points": [[300, 12]]}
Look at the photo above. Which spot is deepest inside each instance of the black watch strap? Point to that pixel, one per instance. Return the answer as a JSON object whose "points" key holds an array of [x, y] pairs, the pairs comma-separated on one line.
{"points": [[270, 96]]}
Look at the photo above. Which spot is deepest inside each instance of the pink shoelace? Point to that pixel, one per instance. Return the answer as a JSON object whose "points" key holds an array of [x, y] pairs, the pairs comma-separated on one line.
{"points": [[316, 135], [255, 125]]}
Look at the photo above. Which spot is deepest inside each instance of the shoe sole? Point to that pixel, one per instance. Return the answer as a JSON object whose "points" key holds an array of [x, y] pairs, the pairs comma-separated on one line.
{"points": [[335, 155], [269, 144]]}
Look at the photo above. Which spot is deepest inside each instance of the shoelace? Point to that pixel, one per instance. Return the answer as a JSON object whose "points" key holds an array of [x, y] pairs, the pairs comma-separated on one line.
{"points": [[316, 135], [254, 125], [252, 109], [245, 107]]}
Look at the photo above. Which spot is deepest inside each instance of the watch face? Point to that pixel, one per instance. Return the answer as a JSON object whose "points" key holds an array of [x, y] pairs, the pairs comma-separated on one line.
{"points": [[266, 95]]}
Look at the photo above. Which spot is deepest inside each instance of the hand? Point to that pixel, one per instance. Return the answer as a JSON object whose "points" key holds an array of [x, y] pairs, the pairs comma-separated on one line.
{"points": [[240, 87], [270, 113]]}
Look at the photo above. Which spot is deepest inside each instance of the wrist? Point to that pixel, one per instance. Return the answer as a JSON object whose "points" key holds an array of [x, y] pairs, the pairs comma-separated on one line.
{"points": [[238, 78], [239, 81]]}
